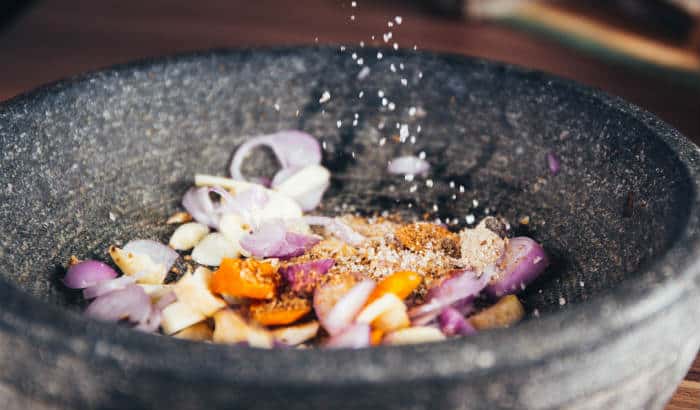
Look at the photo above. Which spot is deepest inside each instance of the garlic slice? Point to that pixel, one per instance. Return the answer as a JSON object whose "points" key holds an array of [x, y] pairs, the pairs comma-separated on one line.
{"points": [[188, 235]]}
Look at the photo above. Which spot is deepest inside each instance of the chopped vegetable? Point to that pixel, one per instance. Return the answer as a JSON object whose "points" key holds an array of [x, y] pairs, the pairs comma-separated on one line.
{"points": [[347, 307], [200, 332], [401, 284], [392, 319], [213, 248], [377, 307], [303, 277], [193, 290], [453, 323], [354, 337], [245, 278], [506, 312], [280, 312], [88, 273], [188, 235], [297, 334], [524, 260], [414, 335]]}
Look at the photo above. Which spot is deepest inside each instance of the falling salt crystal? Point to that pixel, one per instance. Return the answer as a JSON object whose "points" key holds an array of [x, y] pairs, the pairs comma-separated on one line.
{"points": [[392, 106], [390, 24], [398, 125], [379, 55], [435, 208], [352, 154], [412, 189], [562, 301], [420, 74], [403, 132], [401, 66], [404, 82], [352, 17], [381, 125], [396, 46], [373, 37], [392, 67], [475, 203], [413, 139], [385, 101], [461, 188], [324, 145], [408, 177], [353, 4], [398, 19], [429, 183], [387, 36], [316, 39], [354, 56], [357, 115], [325, 97], [277, 107], [469, 219], [412, 111], [392, 188], [362, 44], [581, 283], [339, 123], [454, 197], [415, 47], [342, 48], [418, 129], [380, 93], [421, 155], [536, 313], [112, 217], [410, 205], [360, 61], [487, 211], [297, 113], [382, 141], [361, 94], [354, 123]]}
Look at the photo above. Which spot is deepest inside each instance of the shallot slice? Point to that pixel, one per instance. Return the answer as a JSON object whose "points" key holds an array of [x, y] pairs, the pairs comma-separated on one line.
{"points": [[108, 286], [130, 303], [272, 240], [345, 310], [524, 260], [453, 323], [353, 337], [88, 273]]}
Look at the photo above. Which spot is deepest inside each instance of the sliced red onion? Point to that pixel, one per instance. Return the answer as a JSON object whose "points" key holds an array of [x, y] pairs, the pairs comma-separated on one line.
{"points": [[159, 253], [108, 286], [345, 310], [166, 300], [271, 240], [408, 165], [523, 261], [453, 323], [88, 273], [462, 287], [336, 227], [352, 337], [130, 303], [292, 149], [553, 163], [329, 293], [205, 211], [302, 277]]}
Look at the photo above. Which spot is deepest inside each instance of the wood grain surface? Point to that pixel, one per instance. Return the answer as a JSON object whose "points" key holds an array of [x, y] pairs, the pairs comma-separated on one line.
{"points": [[59, 38]]}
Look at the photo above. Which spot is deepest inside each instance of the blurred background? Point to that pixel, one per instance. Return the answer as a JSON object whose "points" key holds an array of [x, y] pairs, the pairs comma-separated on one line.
{"points": [[646, 51]]}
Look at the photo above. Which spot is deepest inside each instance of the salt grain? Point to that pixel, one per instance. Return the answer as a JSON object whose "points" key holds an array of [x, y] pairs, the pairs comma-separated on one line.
{"points": [[392, 67], [380, 55], [339, 123], [112, 217], [421, 155], [404, 82], [413, 189], [380, 93], [360, 61], [387, 36], [408, 177], [382, 141], [325, 97], [398, 19], [429, 183], [412, 111], [396, 46], [562, 301], [353, 4], [392, 106], [469, 219], [361, 94]]}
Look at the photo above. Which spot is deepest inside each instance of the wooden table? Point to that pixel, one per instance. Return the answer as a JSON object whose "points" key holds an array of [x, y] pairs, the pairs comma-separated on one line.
{"points": [[57, 38]]}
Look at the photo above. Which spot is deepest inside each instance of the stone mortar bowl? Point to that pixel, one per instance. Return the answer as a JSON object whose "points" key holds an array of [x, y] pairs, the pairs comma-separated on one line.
{"points": [[613, 324]]}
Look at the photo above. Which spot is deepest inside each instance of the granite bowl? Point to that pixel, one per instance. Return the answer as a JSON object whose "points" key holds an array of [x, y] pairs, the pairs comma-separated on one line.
{"points": [[105, 157]]}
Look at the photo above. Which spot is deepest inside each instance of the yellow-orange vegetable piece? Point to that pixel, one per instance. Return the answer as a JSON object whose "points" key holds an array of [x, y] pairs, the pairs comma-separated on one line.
{"points": [[244, 278], [277, 316], [376, 336], [400, 283]]}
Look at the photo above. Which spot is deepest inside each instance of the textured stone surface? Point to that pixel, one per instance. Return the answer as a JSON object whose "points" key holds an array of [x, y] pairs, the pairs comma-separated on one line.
{"points": [[128, 140]]}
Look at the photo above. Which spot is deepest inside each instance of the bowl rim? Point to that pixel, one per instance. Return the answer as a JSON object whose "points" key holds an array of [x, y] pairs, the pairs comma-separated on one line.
{"points": [[629, 304]]}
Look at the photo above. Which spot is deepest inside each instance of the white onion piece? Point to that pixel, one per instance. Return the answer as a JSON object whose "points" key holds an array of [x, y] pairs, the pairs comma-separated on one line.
{"points": [[524, 260], [159, 253], [408, 165], [292, 149], [352, 337], [345, 310], [213, 248], [188, 235], [108, 286], [130, 303], [337, 228], [306, 186], [88, 273]]}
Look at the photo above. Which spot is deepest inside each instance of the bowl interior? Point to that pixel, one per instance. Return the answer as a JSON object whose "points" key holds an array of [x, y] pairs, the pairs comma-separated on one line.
{"points": [[106, 159]]}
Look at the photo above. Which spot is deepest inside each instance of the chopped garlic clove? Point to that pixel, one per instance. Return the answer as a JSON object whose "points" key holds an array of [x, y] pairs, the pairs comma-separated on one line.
{"points": [[378, 307], [200, 332], [156, 291], [131, 264], [306, 186], [187, 236], [392, 319], [193, 290], [214, 247], [414, 335], [177, 316], [233, 228], [297, 334]]}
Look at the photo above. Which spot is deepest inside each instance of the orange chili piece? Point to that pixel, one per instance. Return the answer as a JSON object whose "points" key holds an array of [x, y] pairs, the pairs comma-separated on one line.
{"points": [[276, 313], [245, 278], [400, 283], [376, 336]]}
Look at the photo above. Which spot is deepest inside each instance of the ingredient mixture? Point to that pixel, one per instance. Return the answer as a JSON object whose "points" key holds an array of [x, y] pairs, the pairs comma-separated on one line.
{"points": [[248, 264]]}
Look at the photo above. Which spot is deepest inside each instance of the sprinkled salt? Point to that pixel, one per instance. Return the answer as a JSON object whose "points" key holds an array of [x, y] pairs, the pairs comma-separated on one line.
{"points": [[360, 61], [413, 189], [392, 106], [435, 207], [362, 44], [385, 101], [420, 74], [382, 141], [562, 301], [461, 189], [412, 111], [387, 36], [413, 139], [277, 107], [401, 66], [339, 123], [354, 123], [469, 219], [403, 132], [454, 197], [396, 46], [408, 177], [536, 313], [581, 283], [398, 19], [361, 94], [324, 145], [352, 17], [475, 203], [390, 24], [325, 97], [380, 93], [112, 217], [404, 82], [418, 129], [452, 184], [354, 56], [379, 55], [342, 48], [392, 67], [353, 4], [429, 183]]}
